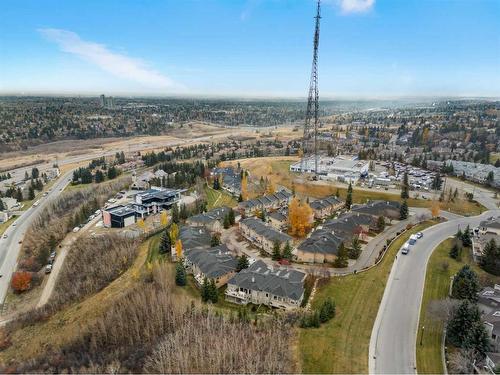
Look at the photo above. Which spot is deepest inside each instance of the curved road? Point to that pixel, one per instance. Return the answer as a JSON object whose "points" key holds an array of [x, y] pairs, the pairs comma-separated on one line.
{"points": [[10, 246], [393, 339]]}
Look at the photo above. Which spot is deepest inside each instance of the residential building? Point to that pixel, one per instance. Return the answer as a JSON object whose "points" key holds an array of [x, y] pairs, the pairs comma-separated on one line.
{"points": [[489, 299], [10, 203], [194, 238], [390, 210], [266, 202], [491, 225], [262, 235], [326, 207], [4, 216], [258, 284], [321, 247], [231, 179], [154, 200], [213, 220], [278, 219], [216, 263]]}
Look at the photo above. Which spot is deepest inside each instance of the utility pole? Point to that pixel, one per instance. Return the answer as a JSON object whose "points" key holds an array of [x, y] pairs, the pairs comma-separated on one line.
{"points": [[313, 101]]}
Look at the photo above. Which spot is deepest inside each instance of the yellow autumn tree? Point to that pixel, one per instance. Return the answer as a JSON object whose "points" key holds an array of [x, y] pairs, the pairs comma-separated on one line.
{"points": [[244, 186], [174, 232], [435, 209], [300, 216], [178, 249], [141, 224], [164, 218]]}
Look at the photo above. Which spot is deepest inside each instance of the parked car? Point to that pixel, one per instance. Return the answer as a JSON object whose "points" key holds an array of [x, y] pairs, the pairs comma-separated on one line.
{"points": [[420, 235], [52, 255], [406, 248], [5, 236], [48, 268]]}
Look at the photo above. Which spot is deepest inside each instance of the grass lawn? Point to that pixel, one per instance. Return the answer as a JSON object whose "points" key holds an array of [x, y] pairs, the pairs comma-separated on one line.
{"points": [[437, 284], [4, 226], [218, 198], [341, 345]]}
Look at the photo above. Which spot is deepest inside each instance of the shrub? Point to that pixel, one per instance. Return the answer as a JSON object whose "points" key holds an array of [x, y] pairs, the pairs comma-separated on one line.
{"points": [[21, 281]]}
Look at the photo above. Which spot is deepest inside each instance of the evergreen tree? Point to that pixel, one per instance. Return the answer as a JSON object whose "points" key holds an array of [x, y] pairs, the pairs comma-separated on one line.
{"points": [[327, 310], [466, 237], [403, 211], [456, 252], [165, 243], [240, 198], [348, 200], [342, 260], [180, 274], [276, 255], [381, 223], [465, 284], [205, 290], [175, 213], [213, 295], [215, 240], [263, 215], [355, 250], [226, 222], [231, 217], [466, 330], [183, 214], [490, 261], [2, 206], [99, 176], [112, 172], [287, 251], [405, 187], [242, 263], [31, 194]]}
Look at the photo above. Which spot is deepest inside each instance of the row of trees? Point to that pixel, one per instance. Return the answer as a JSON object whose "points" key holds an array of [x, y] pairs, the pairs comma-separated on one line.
{"points": [[323, 314]]}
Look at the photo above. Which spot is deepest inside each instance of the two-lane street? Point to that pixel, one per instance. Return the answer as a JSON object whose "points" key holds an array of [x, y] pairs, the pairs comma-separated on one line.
{"points": [[393, 338], [10, 246]]}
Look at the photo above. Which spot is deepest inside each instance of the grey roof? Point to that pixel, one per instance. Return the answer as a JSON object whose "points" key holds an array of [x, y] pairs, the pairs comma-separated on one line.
{"points": [[280, 282], [213, 262], [492, 222], [265, 200], [379, 208], [215, 214], [266, 231], [278, 215], [159, 194], [494, 319], [121, 210], [321, 241], [194, 237], [490, 297], [320, 204], [347, 224]]}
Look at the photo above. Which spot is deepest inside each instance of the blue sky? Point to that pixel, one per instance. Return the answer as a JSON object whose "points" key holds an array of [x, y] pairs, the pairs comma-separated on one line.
{"points": [[368, 48]]}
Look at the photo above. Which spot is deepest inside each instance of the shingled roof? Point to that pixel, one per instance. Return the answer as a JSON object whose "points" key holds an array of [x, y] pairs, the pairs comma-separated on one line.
{"points": [[194, 237], [266, 231], [280, 282], [320, 204], [212, 262], [321, 241]]}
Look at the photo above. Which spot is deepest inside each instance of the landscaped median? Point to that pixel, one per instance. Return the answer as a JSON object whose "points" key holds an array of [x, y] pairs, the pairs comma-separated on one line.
{"points": [[440, 269], [341, 345]]}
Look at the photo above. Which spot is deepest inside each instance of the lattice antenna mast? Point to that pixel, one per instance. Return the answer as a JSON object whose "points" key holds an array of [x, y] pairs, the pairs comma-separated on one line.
{"points": [[313, 101]]}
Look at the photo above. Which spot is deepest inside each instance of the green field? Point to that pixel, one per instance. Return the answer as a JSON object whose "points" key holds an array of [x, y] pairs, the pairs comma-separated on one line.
{"points": [[437, 284], [4, 226], [341, 345], [218, 198]]}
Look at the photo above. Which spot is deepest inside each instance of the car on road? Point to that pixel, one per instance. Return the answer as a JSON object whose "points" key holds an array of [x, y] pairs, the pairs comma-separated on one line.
{"points": [[4, 236], [14, 224], [420, 235], [52, 255], [406, 248], [20, 242], [48, 268]]}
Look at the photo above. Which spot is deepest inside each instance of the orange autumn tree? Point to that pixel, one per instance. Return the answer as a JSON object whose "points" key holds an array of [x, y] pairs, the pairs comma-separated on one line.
{"points": [[435, 209], [244, 186], [300, 217], [21, 281]]}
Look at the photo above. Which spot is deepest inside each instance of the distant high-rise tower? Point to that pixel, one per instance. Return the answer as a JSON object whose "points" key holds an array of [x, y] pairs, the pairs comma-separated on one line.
{"points": [[102, 100], [310, 138], [107, 102]]}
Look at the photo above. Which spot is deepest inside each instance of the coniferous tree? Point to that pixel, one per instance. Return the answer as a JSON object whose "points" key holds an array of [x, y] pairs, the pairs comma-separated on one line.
{"points": [[355, 250], [231, 217], [165, 243], [465, 284], [242, 263], [466, 330], [348, 200], [205, 290], [466, 237], [403, 211], [99, 176], [31, 194], [490, 261], [213, 295], [287, 251], [342, 259], [175, 213], [215, 240], [405, 187], [180, 274], [276, 255], [2, 206]]}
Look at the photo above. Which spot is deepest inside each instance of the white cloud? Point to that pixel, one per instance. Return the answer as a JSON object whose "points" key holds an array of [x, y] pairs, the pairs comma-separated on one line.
{"points": [[355, 6], [117, 64]]}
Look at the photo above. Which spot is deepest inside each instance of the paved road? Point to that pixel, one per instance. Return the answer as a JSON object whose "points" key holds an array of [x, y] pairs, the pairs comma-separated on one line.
{"points": [[394, 334], [10, 247]]}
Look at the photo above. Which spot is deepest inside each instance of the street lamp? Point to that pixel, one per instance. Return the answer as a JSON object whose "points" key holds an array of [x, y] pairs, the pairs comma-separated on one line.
{"points": [[422, 335]]}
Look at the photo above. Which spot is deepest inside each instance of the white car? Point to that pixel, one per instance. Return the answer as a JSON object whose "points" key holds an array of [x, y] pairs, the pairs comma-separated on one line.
{"points": [[5, 236]]}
